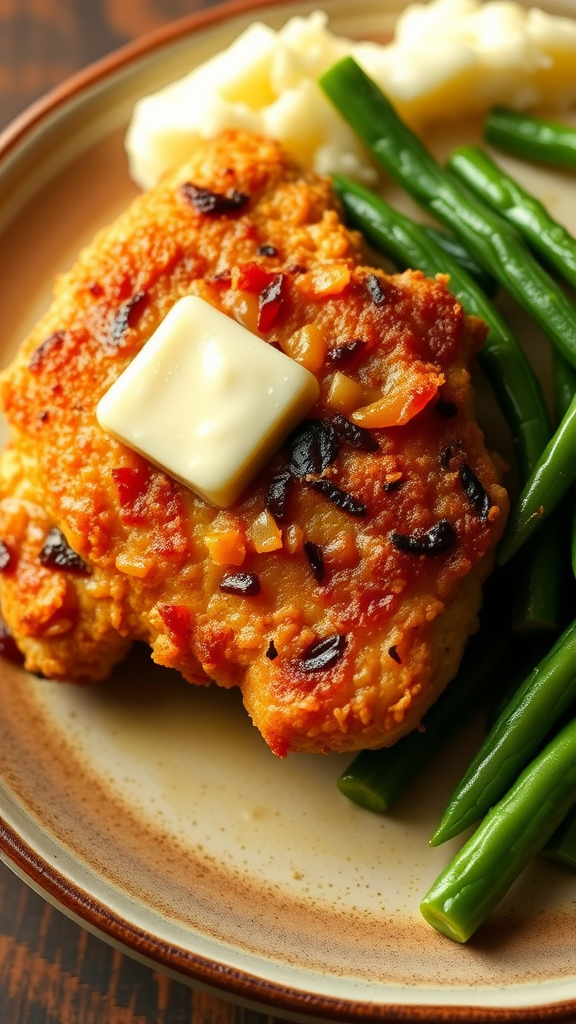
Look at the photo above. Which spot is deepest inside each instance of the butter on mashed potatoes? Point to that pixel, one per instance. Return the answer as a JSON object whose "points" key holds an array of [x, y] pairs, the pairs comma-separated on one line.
{"points": [[447, 58]]}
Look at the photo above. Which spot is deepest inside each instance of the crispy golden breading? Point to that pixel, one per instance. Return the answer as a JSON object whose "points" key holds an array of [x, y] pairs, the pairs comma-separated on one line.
{"points": [[362, 552]]}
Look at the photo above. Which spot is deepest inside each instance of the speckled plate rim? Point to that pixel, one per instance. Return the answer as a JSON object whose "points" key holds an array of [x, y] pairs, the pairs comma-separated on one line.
{"points": [[37, 871], [238, 986]]}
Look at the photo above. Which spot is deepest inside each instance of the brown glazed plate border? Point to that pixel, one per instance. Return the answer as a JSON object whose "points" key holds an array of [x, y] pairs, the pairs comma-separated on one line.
{"points": [[229, 983], [250, 990]]}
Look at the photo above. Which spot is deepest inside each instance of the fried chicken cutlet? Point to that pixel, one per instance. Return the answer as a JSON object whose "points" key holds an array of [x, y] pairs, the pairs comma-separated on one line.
{"points": [[339, 591]]}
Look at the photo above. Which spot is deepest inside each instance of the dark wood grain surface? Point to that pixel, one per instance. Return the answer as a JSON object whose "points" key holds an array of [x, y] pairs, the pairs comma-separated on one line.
{"points": [[51, 970]]}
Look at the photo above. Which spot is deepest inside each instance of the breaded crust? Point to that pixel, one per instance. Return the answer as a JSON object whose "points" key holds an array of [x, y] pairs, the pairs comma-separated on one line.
{"points": [[369, 547]]}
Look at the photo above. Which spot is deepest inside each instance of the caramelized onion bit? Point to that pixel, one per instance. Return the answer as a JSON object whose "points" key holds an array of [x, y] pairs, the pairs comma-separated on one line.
{"points": [[56, 553], [313, 447], [316, 560], [246, 584], [271, 653], [393, 652], [340, 498], [357, 437], [435, 541], [474, 491], [323, 653], [204, 200]]}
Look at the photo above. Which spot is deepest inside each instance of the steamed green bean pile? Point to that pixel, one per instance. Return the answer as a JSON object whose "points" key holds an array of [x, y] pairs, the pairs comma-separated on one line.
{"points": [[521, 785]]}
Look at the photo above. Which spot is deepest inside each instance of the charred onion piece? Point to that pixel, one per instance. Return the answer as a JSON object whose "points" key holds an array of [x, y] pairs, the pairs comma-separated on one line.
{"points": [[204, 200], [277, 496], [357, 437], [435, 541], [128, 315], [323, 653], [474, 491], [313, 447], [316, 559], [246, 584], [339, 497], [56, 553], [376, 290]]}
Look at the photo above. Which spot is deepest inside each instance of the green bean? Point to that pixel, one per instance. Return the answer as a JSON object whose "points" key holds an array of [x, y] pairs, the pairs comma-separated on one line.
{"points": [[545, 235], [564, 377], [561, 847], [452, 247], [517, 390], [375, 778], [490, 239], [514, 830], [526, 720], [531, 137], [553, 474], [523, 654], [539, 573]]}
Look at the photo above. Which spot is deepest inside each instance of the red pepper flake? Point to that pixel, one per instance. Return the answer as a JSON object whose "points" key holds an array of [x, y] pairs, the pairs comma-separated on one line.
{"points": [[392, 651], [316, 559], [132, 484], [95, 289], [5, 557], [376, 290], [178, 621], [269, 303], [245, 584], [251, 277], [322, 654], [435, 541], [128, 316], [205, 201], [53, 341], [8, 647], [56, 553]]}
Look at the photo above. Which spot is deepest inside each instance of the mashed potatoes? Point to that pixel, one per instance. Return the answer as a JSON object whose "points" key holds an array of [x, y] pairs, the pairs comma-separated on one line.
{"points": [[448, 57]]}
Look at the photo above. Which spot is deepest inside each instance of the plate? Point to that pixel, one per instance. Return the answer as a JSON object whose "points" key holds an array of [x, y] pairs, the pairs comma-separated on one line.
{"points": [[151, 811]]}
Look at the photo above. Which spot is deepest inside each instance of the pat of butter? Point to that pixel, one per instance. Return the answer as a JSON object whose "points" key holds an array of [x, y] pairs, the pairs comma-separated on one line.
{"points": [[207, 401]]}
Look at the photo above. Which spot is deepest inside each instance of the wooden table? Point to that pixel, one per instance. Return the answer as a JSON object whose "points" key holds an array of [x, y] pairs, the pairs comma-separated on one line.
{"points": [[51, 970]]}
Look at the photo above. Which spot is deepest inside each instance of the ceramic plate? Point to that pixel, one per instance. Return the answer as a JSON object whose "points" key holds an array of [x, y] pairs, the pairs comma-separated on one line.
{"points": [[151, 811]]}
